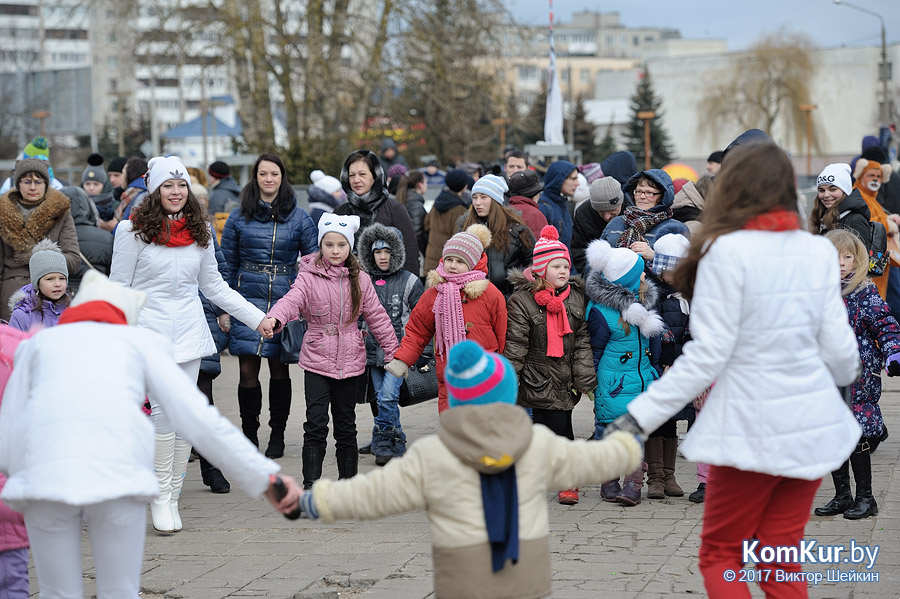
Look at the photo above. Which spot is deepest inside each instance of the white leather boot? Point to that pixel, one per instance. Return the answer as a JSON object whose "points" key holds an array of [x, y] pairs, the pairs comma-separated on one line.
{"points": [[179, 469], [160, 512]]}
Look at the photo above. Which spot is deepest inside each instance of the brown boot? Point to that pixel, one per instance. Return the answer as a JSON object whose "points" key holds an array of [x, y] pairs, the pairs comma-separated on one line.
{"points": [[669, 452], [653, 453]]}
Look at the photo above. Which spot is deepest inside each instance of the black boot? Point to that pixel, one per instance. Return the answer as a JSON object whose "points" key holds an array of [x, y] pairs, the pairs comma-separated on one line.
{"points": [[347, 463], [213, 477], [864, 505], [279, 410], [698, 496], [312, 465], [843, 498], [250, 404]]}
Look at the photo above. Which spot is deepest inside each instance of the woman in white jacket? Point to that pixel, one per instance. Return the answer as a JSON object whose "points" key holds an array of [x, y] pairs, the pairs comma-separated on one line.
{"points": [[77, 446], [769, 327], [165, 250]]}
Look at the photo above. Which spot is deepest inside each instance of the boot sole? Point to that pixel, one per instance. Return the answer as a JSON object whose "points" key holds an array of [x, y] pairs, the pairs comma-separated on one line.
{"points": [[674, 494], [873, 513], [627, 502]]}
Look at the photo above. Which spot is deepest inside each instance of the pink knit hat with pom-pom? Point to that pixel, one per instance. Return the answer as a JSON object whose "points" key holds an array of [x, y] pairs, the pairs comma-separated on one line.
{"points": [[547, 249]]}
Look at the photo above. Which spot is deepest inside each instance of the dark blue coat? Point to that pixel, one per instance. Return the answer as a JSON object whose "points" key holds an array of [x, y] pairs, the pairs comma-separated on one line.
{"points": [[265, 239], [616, 226], [677, 323], [553, 204], [213, 364]]}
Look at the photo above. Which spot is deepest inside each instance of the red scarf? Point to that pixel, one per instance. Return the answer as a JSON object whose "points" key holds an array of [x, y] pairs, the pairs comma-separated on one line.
{"points": [[774, 220], [179, 235], [557, 319], [95, 311]]}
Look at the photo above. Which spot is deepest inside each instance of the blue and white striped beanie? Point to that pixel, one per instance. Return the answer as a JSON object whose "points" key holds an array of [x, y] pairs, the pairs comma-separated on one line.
{"points": [[493, 186]]}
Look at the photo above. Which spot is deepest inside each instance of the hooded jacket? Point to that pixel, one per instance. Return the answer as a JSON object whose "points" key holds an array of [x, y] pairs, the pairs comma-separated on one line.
{"points": [[616, 226], [553, 204], [95, 243], [627, 360], [29, 310], [415, 207], [546, 382], [386, 164], [484, 311], [441, 224], [441, 475], [530, 212], [398, 290], [333, 345], [621, 166], [267, 240], [688, 206], [51, 219], [224, 197]]}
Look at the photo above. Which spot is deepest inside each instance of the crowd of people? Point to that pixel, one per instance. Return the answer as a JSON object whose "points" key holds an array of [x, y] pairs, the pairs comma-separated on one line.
{"points": [[539, 287]]}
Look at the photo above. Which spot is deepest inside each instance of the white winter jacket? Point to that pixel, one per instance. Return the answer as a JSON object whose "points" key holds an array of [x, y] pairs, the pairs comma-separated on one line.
{"points": [[72, 429], [769, 327], [171, 277]]}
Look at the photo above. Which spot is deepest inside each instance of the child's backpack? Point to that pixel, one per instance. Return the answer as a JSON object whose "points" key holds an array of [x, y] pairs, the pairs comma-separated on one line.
{"points": [[876, 245]]}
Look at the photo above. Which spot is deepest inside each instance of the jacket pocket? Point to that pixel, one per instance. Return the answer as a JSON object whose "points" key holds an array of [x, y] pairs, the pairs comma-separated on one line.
{"points": [[537, 384], [617, 387], [318, 310]]}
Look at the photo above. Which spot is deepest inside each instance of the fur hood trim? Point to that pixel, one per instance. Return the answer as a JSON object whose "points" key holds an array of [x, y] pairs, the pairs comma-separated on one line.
{"points": [[473, 290], [20, 234], [25, 295], [522, 280], [642, 315], [391, 236]]}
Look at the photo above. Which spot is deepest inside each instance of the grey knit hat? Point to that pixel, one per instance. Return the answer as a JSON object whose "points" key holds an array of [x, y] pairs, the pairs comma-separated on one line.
{"points": [[46, 258], [94, 173], [606, 194], [32, 165]]}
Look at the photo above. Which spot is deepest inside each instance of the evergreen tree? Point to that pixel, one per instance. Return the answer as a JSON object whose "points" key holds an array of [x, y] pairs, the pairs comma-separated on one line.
{"points": [[607, 146], [660, 147], [584, 133], [532, 129]]}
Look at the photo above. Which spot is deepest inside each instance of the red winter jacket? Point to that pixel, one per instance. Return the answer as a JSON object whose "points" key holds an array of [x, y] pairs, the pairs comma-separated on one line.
{"points": [[531, 214], [484, 310]]}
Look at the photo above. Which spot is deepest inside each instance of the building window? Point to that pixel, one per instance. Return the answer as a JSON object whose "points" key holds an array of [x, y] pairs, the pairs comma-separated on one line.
{"points": [[112, 62], [111, 37], [564, 75], [113, 85], [585, 76], [18, 10]]}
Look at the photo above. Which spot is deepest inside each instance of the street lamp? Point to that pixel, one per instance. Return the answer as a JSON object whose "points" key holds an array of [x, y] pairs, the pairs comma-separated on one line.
{"points": [[885, 107], [41, 115], [646, 116]]}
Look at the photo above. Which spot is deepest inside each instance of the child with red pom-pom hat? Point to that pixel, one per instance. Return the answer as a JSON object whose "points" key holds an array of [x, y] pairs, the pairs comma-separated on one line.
{"points": [[547, 339]]}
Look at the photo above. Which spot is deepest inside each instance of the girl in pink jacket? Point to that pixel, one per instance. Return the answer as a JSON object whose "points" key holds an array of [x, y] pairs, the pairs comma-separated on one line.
{"points": [[332, 293]]}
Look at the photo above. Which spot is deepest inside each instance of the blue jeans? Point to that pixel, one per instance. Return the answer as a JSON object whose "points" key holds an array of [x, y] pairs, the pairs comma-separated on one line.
{"points": [[387, 393]]}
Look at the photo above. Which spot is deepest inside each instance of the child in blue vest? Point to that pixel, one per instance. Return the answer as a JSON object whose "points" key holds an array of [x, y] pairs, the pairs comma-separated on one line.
{"points": [[626, 338]]}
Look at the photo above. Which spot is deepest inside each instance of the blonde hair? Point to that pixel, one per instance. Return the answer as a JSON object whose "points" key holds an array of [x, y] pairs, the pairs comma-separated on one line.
{"points": [[642, 295], [849, 242]]}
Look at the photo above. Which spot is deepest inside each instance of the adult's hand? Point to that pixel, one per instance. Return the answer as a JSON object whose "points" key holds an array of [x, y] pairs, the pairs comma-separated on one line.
{"points": [[289, 502], [643, 248], [266, 328], [224, 321]]}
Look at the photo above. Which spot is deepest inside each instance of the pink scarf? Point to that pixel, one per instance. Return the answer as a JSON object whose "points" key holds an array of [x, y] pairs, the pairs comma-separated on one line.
{"points": [[449, 324], [557, 319]]}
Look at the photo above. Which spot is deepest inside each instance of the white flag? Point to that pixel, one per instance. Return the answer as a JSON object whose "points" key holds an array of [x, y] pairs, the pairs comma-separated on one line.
{"points": [[553, 118]]}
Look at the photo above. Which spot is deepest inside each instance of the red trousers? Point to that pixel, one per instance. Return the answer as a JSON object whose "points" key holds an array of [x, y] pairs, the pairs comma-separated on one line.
{"points": [[747, 505]]}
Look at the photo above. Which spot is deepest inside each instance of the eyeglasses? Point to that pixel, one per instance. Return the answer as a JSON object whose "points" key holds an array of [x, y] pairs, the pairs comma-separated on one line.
{"points": [[30, 182], [646, 194]]}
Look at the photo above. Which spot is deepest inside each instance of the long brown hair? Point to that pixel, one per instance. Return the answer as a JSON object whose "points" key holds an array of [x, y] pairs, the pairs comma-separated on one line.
{"points": [[755, 179], [408, 181], [499, 220], [352, 265], [821, 215], [150, 221]]}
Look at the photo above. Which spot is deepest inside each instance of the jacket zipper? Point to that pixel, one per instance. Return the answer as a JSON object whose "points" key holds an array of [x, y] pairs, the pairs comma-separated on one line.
{"points": [[271, 277], [340, 322], [640, 357]]}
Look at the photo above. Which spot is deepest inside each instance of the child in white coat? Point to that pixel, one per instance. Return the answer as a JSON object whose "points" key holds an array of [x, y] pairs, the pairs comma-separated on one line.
{"points": [[95, 463]]}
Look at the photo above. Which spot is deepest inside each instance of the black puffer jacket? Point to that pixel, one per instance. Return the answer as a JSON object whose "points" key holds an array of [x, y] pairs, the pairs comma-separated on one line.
{"points": [[398, 290], [518, 254], [544, 382], [669, 306], [95, 243], [415, 206], [854, 215]]}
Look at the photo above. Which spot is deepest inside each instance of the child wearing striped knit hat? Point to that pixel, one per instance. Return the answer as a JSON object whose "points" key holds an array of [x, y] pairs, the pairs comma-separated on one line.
{"points": [[547, 339], [482, 480]]}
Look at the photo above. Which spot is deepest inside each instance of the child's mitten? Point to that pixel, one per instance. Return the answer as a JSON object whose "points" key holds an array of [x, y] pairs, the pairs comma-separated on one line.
{"points": [[893, 365], [398, 368]]}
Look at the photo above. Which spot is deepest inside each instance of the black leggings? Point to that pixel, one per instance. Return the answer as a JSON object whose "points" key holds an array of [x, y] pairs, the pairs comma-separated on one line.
{"points": [[558, 421], [341, 396], [250, 366], [667, 430]]}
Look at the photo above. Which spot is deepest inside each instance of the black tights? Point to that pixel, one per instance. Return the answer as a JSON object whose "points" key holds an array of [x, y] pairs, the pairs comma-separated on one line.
{"points": [[558, 421], [667, 430], [250, 366]]}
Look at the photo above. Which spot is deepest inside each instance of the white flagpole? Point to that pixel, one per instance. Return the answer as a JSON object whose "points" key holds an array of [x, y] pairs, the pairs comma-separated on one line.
{"points": [[553, 118]]}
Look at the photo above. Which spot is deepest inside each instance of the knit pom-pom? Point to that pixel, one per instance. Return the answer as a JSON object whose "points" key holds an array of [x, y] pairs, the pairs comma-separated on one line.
{"points": [[463, 356], [861, 164], [45, 245], [482, 233], [95, 159], [598, 254], [316, 175], [550, 232], [40, 143]]}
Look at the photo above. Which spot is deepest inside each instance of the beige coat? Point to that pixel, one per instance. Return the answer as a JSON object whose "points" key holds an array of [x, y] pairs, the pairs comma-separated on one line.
{"points": [[440, 474]]}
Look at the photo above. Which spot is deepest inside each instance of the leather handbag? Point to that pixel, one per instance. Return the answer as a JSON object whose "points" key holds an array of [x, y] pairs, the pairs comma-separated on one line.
{"points": [[292, 340], [421, 384]]}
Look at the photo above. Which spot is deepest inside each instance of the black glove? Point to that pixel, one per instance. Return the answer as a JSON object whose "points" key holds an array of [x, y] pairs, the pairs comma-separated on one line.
{"points": [[422, 362], [893, 365]]}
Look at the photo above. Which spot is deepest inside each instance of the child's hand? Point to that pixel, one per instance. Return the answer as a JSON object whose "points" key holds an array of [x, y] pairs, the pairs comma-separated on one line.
{"points": [[590, 394], [893, 365], [266, 328]]}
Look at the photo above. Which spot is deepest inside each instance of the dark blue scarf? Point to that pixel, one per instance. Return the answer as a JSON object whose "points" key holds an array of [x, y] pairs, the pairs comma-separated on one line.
{"points": [[500, 496]]}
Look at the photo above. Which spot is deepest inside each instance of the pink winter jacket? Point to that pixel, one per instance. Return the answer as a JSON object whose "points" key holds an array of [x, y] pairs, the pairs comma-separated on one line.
{"points": [[12, 524], [333, 345]]}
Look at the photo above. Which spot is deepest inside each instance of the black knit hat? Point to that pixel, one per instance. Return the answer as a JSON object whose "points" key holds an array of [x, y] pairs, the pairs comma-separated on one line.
{"points": [[116, 165], [456, 180], [219, 170]]}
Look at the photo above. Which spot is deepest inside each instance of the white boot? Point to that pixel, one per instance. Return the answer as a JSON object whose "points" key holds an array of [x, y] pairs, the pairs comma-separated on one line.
{"points": [[160, 512], [179, 469]]}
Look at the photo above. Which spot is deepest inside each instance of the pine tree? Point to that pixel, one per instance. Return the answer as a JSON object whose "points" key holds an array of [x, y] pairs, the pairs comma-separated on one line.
{"points": [[606, 147], [532, 129], [584, 132], [660, 147]]}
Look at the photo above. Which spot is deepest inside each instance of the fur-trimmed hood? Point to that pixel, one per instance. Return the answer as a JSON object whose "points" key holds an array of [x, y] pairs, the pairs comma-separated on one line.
{"points": [[640, 314], [521, 280], [391, 236], [27, 297], [20, 234]]}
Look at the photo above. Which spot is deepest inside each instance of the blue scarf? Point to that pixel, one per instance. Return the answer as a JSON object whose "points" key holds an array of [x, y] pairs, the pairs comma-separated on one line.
{"points": [[500, 497]]}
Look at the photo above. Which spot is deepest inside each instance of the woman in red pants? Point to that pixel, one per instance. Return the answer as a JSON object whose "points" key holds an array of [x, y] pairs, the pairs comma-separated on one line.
{"points": [[767, 325]]}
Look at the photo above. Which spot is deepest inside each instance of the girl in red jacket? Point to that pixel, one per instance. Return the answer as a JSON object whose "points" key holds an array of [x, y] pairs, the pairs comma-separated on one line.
{"points": [[460, 303], [333, 293]]}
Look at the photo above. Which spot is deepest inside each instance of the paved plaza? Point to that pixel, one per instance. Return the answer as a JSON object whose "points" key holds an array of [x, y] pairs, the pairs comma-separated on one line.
{"points": [[233, 546]]}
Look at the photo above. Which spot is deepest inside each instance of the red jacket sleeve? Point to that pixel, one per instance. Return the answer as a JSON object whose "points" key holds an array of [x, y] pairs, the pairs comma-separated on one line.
{"points": [[501, 319], [420, 328]]}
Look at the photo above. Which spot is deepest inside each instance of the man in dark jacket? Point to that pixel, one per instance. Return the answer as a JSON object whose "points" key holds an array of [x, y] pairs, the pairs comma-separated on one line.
{"points": [[225, 194], [606, 202], [389, 154], [96, 244]]}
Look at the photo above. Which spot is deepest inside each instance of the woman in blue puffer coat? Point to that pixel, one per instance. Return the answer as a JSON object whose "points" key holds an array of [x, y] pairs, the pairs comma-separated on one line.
{"points": [[262, 241]]}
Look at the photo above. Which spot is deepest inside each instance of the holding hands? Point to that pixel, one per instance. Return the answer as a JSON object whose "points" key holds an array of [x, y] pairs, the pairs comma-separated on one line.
{"points": [[266, 327]]}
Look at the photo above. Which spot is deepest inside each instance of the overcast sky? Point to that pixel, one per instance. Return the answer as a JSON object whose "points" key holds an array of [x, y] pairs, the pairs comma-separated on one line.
{"points": [[741, 22]]}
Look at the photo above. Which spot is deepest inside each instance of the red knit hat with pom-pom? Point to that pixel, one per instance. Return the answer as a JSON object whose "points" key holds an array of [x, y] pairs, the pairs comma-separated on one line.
{"points": [[547, 249]]}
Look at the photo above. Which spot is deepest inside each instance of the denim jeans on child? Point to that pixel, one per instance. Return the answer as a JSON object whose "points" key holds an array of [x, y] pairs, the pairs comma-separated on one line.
{"points": [[387, 393]]}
